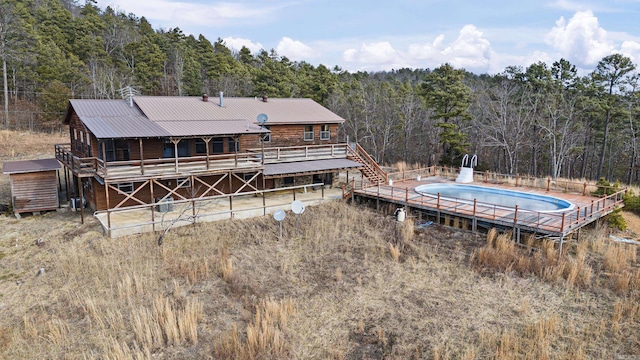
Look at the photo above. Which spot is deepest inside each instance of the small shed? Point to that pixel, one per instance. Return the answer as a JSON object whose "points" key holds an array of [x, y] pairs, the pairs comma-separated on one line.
{"points": [[34, 185]]}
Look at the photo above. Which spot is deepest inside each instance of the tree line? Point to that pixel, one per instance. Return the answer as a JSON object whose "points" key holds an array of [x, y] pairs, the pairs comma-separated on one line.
{"points": [[543, 120]]}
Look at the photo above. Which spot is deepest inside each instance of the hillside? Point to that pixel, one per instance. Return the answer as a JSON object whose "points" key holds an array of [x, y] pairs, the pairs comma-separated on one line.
{"points": [[345, 285]]}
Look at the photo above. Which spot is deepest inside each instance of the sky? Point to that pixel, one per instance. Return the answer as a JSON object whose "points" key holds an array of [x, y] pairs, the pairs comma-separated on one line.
{"points": [[481, 36]]}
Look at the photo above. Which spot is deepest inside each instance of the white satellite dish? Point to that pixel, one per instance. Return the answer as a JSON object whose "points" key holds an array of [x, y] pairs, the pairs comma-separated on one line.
{"points": [[279, 215], [297, 207], [262, 118]]}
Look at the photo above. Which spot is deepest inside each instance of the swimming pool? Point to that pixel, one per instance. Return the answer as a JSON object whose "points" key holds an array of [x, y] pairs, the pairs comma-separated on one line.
{"points": [[500, 197]]}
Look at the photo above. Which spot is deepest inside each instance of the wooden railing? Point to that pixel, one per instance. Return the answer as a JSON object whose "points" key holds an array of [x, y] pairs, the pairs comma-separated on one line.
{"points": [[251, 159], [302, 153], [372, 169], [558, 222]]}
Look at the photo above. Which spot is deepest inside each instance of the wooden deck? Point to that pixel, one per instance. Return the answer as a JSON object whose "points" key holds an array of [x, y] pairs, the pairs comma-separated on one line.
{"points": [[248, 161], [561, 223]]}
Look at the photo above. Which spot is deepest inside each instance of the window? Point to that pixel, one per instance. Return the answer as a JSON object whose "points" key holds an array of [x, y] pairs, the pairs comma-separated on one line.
{"points": [[201, 146], [266, 137], [168, 150], [81, 141], [217, 145], [233, 145], [126, 188], [308, 132], [109, 151], [325, 133], [89, 145], [183, 182], [288, 180]]}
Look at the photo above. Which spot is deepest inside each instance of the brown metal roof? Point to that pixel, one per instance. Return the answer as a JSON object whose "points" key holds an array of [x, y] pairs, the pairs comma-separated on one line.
{"points": [[212, 127], [279, 169], [279, 111], [29, 166], [164, 116]]}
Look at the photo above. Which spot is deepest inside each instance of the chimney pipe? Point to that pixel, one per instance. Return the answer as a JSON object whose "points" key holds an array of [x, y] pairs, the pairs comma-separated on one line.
{"points": [[205, 97], [264, 98], [221, 98]]}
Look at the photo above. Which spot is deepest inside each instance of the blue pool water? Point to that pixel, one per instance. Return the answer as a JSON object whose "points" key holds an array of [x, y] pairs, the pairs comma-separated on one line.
{"points": [[500, 197]]}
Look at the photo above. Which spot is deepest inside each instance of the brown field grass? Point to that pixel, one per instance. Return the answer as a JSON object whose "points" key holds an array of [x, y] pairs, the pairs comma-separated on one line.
{"points": [[350, 284]]}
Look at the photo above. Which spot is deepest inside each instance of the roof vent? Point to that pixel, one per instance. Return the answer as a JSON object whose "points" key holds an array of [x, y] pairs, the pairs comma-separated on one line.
{"points": [[265, 98], [221, 98], [205, 97]]}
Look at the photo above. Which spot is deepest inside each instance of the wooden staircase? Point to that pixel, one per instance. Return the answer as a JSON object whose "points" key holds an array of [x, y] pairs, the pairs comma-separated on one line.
{"points": [[370, 169]]}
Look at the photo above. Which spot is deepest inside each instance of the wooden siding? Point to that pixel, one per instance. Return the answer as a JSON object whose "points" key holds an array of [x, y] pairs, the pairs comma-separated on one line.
{"points": [[34, 191], [293, 135]]}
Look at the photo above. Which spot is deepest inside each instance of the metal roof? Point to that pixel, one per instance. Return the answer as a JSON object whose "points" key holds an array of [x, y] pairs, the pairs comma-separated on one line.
{"points": [[29, 166], [308, 166], [123, 127], [163, 116], [279, 111]]}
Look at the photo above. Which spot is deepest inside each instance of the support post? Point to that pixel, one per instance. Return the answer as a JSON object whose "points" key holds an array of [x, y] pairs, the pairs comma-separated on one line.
{"points": [[548, 183], [81, 193], [153, 207], [264, 199], [106, 193], [141, 156]]}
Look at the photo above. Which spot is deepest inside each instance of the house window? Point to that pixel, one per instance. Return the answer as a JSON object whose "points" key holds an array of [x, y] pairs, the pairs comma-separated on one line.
{"points": [[81, 141], [325, 133], [183, 182], [168, 150], [89, 145], [308, 132], [217, 145], [288, 180], [201, 146], [266, 137], [126, 188], [234, 145]]}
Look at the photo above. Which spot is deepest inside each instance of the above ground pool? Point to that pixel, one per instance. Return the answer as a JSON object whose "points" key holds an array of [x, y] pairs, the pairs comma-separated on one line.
{"points": [[493, 196]]}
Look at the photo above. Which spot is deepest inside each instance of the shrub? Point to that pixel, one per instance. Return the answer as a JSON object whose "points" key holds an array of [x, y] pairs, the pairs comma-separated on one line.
{"points": [[616, 220]]}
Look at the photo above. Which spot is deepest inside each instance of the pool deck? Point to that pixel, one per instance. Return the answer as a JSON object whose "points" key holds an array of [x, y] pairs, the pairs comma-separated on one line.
{"points": [[587, 208]]}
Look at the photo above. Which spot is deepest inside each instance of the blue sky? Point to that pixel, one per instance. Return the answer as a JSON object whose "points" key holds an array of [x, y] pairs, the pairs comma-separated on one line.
{"points": [[482, 36]]}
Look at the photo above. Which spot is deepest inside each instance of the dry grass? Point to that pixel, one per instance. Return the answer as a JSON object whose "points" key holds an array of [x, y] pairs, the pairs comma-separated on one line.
{"points": [[332, 290]]}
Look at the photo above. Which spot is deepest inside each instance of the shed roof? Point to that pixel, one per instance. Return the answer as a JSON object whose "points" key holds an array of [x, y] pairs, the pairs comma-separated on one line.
{"points": [[30, 166], [273, 170], [162, 116]]}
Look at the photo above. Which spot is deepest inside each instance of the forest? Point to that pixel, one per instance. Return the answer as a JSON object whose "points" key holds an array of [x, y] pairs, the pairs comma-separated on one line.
{"points": [[543, 120]]}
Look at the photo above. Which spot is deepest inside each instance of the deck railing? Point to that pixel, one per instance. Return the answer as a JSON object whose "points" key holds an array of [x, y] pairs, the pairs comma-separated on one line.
{"points": [[251, 159], [560, 222], [527, 181]]}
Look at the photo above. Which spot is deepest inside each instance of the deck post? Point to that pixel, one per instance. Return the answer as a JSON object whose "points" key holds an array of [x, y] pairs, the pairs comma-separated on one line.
{"points": [[153, 208], [438, 203], [175, 151], [562, 224], [264, 199], [353, 189], [141, 156], [66, 182], [206, 143], [578, 215], [515, 216], [561, 241], [406, 196], [81, 193], [378, 198], [591, 208], [192, 191], [548, 183], [231, 206]]}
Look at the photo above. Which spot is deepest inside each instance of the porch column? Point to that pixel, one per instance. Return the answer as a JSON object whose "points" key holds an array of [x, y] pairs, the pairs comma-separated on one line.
{"points": [[141, 157], [206, 141], [175, 151]]}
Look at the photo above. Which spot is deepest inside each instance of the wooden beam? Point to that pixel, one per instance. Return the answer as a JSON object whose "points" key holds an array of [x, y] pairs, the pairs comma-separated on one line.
{"points": [[206, 141], [141, 157], [213, 186], [169, 190], [175, 151], [246, 183], [130, 196]]}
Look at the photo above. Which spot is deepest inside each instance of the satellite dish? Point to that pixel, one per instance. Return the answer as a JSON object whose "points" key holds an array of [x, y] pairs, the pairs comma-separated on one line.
{"points": [[262, 118], [297, 207], [279, 215]]}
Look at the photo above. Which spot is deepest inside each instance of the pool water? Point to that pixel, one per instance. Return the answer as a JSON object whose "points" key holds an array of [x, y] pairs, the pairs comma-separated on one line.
{"points": [[500, 197]]}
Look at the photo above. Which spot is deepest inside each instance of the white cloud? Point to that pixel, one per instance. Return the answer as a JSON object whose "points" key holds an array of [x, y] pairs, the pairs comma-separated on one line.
{"points": [[171, 13], [238, 43], [632, 50], [373, 53], [470, 50], [295, 50], [581, 39]]}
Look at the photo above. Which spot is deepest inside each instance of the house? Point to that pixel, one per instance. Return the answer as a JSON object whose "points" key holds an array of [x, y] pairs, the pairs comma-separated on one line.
{"points": [[145, 150]]}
